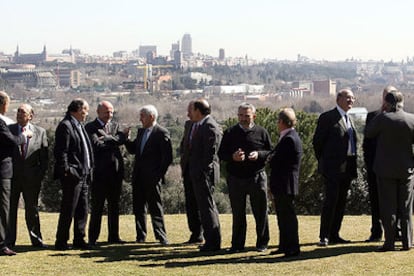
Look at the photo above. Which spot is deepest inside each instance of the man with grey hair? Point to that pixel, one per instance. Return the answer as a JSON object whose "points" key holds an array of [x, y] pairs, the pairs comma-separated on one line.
{"points": [[334, 143], [369, 146], [153, 154], [30, 162], [245, 147], [8, 142], [394, 167]]}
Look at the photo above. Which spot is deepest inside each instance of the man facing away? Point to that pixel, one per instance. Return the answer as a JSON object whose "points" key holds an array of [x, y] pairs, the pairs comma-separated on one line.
{"points": [[394, 167], [74, 162], [108, 172], [334, 143], [284, 182], [204, 169], [153, 155], [193, 214], [369, 147], [8, 142], [245, 147], [30, 162]]}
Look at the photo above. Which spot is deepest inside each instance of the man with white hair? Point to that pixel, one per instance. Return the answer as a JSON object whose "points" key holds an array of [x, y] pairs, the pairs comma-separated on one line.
{"points": [[153, 154], [30, 162]]}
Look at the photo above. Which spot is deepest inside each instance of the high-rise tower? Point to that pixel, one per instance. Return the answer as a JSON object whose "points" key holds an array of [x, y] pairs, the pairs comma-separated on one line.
{"points": [[186, 46]]}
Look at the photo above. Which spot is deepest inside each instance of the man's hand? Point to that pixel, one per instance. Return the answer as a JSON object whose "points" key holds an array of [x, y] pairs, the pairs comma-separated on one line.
{"points": [[238, 155], [253, 156]]}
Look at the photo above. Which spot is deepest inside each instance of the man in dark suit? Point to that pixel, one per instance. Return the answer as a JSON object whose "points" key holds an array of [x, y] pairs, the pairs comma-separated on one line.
{"points": [[394, 167], [73, 167], [284, 182], [369, 147], [204, 169], [334, 143], [244, 148], [8, 142], [153, 154], [193, 214], [108, 172], [30, 161]]}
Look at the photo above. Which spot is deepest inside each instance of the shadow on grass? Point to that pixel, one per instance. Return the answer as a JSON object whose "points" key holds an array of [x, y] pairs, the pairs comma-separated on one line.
{"points": [[178, 255]]}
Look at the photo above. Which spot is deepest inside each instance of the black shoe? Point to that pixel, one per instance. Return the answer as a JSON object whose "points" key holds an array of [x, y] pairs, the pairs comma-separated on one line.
{"points": [[339, 240], [384, 249], [164, 242], [82, 245], [232, 250], [323, 242], [277, 252], [373, 239], [194, 240], [209, 248], [62, 246], [262, 248], [117, 241], [405, 248], [140, 240]]}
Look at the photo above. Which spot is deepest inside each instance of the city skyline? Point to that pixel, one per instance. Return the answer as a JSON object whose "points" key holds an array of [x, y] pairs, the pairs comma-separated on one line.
{"points": [[318, 29]]}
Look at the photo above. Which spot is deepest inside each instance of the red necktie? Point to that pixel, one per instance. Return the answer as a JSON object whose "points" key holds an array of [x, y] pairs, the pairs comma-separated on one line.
{"points": [[23, 146]]}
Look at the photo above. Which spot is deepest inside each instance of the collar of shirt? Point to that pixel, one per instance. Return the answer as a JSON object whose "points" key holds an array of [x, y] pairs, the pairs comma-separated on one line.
{"points": [[28, 126], [77, 123], [341, 111], [246, 129], [102, 123], [284, 132], [199, 123]]}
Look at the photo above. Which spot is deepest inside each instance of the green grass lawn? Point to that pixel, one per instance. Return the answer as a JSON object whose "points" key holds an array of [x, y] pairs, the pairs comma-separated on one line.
{"points": [[151, 258]]}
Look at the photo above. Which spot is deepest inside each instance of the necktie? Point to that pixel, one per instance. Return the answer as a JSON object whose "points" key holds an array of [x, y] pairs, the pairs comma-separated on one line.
{"points": [[86, 155], [144, 139], [351, 136], [23, 146], [193, 133], [106, 128]]}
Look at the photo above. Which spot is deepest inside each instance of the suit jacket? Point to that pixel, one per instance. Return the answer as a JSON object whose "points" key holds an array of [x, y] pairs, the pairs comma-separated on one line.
{"points": [[185, 147], [330, 143], [35, 162], [369, 145], [108, 157], [8, 142], [395, 135], [153, 162], [285, 164], [69, 152], [203, 158]]}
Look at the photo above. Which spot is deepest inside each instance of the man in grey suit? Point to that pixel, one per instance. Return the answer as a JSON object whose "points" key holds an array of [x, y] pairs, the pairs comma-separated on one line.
{"points": [[204, 169], [394, 167], [30, 161], [334, 143], [153, 154], [8, 142]]}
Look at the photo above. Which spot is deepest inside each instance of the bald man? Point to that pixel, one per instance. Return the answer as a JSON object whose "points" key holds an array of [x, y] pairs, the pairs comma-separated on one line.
{"points": [[204, 170], [108, 172], [30, 162]]}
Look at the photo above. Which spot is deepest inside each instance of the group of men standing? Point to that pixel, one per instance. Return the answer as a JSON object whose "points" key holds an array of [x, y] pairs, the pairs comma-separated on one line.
{"points": [[388, 154], [90, 156]]}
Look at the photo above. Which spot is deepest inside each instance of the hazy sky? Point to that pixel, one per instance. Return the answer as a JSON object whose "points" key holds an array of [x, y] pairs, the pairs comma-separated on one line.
{"points": [[320, 29]]}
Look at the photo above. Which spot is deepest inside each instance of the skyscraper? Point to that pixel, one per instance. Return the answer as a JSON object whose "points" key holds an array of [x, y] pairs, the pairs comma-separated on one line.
{"points": [[186, 46]]}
